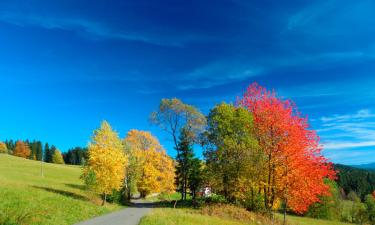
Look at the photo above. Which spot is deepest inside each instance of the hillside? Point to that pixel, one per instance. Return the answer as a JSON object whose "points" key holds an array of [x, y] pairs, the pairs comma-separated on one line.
{"points": [[56, 198], [369, 166], [353, 179]]}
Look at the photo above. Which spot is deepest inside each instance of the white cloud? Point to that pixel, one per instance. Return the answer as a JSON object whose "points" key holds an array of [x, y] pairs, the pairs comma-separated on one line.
{"points": [[346, 145], [96, 29], [361, 114]]}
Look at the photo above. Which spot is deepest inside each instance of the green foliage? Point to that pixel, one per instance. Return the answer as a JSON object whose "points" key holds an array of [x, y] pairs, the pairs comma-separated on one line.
{"points": [[231, 151], [329, 207], [254, 201], [57, 157], [195, 177], [184, 159], [370, 207], [76, 156], [47, 153], [358, 180], [89, 178], [216, 199]]}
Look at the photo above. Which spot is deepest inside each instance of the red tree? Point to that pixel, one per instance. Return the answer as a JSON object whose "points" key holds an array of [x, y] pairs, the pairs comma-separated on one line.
{"points": [[295, 168], [21, 150]]}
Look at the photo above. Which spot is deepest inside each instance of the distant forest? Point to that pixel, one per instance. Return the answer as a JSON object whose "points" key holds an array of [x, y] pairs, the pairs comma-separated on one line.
{"points": [[361, 181], [44, 152]]}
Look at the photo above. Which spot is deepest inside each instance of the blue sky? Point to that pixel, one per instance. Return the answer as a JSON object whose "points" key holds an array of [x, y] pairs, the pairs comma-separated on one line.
{"points": [[66, 65]]}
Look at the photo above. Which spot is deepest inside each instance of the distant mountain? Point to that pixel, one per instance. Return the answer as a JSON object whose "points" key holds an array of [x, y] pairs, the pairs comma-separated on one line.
{"points": [[370, 166]]}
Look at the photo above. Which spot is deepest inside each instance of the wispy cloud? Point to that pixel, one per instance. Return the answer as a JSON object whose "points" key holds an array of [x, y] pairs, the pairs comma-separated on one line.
{"points": [[218, 73], [360, 115], [97, 30], [346, 145], [344, 136]]}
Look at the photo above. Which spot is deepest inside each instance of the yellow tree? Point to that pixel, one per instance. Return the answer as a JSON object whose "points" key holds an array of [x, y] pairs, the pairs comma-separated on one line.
{"points": [[22, 150], [106, 160], [153, 169], [3, 148], [57, 157]]}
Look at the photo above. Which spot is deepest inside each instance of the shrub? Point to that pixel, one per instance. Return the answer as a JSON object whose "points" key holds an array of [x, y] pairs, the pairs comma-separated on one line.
{"points": [[3, 148], [370, 207], [228, 211], [254, 202], [214, 198]]}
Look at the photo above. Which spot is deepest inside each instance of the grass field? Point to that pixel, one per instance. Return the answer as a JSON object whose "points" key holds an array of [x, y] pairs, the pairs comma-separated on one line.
{"points": [[56, 198], [297, 220], [169, 216]]}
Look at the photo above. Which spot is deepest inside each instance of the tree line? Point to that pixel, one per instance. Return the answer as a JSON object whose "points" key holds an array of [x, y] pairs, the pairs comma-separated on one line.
{"points": [[36, 150]]}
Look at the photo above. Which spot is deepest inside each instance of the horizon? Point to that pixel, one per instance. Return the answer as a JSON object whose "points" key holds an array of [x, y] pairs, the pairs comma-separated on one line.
{"points": [[65, 70]]}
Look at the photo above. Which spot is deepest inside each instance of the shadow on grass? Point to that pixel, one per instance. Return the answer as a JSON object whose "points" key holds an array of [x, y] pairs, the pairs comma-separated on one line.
{"points": [[163, 204], [64, 193], [77, 186]]}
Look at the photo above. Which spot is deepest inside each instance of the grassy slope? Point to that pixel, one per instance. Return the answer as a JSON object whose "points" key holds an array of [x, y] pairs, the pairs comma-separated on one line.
{"points": [[56, 198], [169, 216], [297, 220]]}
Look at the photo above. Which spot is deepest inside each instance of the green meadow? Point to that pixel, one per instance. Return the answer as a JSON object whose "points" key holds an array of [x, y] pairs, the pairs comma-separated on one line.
{"points": [[57, 197]]}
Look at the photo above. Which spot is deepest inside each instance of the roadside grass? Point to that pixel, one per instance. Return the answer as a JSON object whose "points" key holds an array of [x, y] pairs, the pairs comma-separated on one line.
{"points": [[58, 197], [298, 220], [168, 216], [221, 214]]}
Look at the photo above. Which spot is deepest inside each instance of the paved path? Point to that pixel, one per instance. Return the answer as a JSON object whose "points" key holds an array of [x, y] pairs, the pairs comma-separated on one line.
{"points": [[129, 216]]}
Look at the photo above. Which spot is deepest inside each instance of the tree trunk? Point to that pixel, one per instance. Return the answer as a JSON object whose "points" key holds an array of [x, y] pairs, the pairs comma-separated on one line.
{"points": [[285, 207], [104, 199]]}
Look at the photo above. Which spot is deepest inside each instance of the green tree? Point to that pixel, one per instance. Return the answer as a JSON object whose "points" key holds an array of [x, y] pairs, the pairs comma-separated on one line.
{"points": [[184, 158], [57, 157], [370, 207], [39, 151], [195, 178], [329, 206], [231, 152], [47, 153]]}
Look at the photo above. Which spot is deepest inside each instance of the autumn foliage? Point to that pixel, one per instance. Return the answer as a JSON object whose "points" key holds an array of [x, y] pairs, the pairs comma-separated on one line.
{"points": [[106, 160], [22, 150], [294, 168], [3, 148], [152, 170], [57, 157]]}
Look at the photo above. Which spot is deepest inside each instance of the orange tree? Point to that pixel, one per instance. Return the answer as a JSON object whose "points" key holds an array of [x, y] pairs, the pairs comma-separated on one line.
{"points": [[150, 169], [294, 168], [22, 150]]}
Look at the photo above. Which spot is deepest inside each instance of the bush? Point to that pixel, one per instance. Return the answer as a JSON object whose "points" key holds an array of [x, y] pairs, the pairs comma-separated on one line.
{"points": [[329, 206], [115, 197], [214, 198], [254, 202], [232, 212], [370, 207], [3, 148]]}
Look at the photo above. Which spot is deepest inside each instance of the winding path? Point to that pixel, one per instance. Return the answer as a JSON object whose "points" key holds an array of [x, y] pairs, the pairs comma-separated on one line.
{"points": [[129, 216]]}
